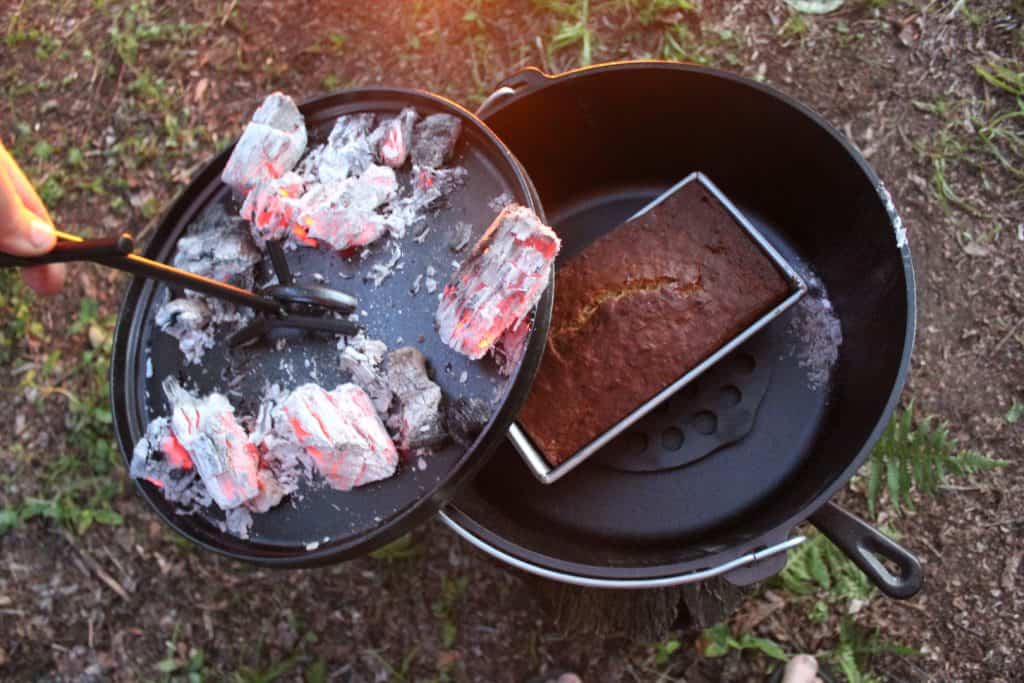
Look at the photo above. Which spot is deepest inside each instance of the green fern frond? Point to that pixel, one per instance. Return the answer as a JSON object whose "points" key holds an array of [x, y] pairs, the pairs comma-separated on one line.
{"points": [[856, 645], [918, 454], [818, 565]]}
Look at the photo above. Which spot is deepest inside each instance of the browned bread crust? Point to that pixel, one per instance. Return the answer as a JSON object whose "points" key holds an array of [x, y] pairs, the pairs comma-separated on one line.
{"points": [[639, 308]]}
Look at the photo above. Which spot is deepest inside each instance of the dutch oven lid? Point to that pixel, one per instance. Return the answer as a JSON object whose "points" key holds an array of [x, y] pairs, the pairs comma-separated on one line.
{"points": [[324, 525]]}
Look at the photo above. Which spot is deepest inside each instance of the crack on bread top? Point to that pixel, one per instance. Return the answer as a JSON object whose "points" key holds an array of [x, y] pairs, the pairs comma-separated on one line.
{"points": [[628, 288]]}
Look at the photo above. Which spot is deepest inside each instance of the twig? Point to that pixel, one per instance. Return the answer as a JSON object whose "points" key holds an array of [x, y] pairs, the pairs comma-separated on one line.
{"points": [[1009, 334], [931, 547], [971, 631], [227, 15], [100, 572], [1002, 522]]}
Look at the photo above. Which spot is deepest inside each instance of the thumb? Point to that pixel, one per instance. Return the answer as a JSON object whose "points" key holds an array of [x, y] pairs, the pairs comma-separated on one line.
{"points": [[22, 232]]}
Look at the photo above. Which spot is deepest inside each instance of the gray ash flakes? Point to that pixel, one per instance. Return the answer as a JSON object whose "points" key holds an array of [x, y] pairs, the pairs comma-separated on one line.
{"points": [[462, 233], [817, 327]]}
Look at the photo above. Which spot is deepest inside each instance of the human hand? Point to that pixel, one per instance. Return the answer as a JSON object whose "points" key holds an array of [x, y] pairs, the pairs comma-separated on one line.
{"points": [[25, 226]]}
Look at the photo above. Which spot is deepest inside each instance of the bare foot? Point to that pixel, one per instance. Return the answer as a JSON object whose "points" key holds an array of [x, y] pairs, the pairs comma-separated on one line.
{"points": [[801, 669]]}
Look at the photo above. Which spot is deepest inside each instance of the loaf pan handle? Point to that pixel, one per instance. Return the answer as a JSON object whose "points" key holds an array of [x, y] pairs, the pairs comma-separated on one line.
{"points": [[526, 80], [864, 545]]}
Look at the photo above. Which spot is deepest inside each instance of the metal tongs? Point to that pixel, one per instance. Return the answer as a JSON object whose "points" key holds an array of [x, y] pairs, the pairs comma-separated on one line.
{"points": [[286, 305]]}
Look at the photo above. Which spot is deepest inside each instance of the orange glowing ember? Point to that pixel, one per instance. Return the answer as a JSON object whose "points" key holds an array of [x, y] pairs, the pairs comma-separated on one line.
{"points": [[176, 453], [302, 234]]}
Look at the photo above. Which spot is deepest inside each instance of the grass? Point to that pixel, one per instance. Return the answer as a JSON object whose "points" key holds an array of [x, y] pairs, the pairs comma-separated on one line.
{"points": [[400, 673], [182, 664], [445, 609], [153, 138], [795, 26], [855, 648], [576, 25], [573, 29], [75, 485], [1002, 135], [402, 549], [1014, 413], [988, 154]]}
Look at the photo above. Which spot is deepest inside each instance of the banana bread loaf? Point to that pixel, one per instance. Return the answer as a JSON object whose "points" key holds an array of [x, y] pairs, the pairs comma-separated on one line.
{"points": [[639, 308]]}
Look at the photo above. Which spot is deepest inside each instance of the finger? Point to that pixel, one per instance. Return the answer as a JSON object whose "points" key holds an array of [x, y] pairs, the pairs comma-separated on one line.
{"points": [[23, 186], [45, 280], [801, 669], [22, 232]]}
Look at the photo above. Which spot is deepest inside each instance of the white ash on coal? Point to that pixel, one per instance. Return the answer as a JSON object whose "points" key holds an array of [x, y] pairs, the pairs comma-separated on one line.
{"points": [[416, 416], [189, 321], [338, 196], [391, 139], [344, 214], [434, 140], [338, 430], [270, 208], [202, 456], [195, 320], [159, 459], [430, 282], [348, 151], [499, 283], [362, 358], [429, 186], [218, 446], [271, 145], [218, 246], [500, 202]]}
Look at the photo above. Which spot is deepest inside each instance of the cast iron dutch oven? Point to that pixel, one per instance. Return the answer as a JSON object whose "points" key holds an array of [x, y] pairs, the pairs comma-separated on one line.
{"points": [[599, 143]]}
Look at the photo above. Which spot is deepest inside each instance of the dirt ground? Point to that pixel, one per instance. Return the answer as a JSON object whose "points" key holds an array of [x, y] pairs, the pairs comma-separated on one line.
{"points": [[133, 98]]}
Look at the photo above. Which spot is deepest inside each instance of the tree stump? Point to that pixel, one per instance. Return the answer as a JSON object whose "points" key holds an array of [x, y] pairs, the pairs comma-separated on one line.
{"points": [[639, 614]]}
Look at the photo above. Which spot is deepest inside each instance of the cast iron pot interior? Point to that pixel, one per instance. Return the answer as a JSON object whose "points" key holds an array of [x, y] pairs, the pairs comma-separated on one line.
{"points": [[599, 143]]}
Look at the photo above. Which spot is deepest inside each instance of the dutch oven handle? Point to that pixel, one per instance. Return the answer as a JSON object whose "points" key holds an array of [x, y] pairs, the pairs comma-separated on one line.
{"points": [[864, 544], [526, 80]]}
